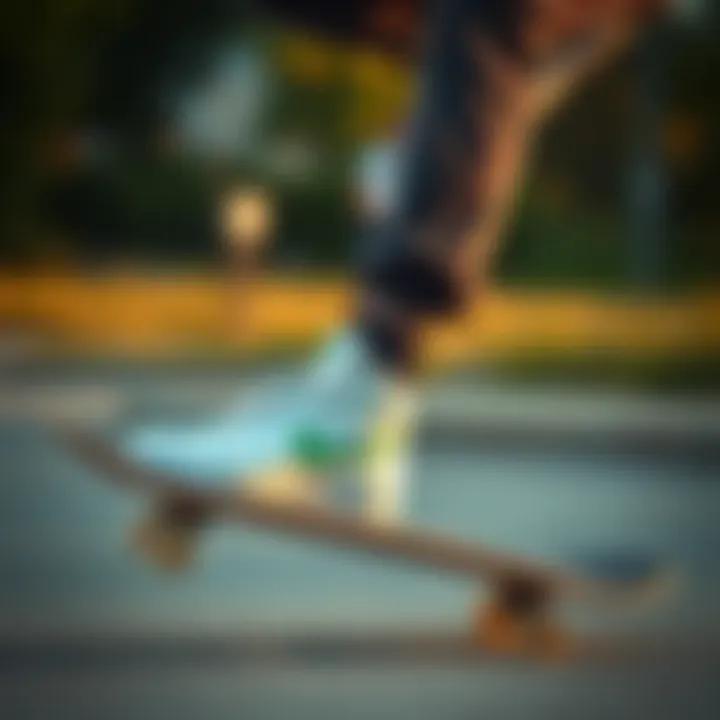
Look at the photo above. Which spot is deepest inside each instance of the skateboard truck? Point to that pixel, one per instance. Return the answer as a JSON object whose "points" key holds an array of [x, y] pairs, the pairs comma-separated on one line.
{"points": [[517, 619], [169, 535]]}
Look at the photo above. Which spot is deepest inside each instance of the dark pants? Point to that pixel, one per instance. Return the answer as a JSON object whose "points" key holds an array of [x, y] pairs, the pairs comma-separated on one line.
{"points": [[477, 116], [410, 268]]}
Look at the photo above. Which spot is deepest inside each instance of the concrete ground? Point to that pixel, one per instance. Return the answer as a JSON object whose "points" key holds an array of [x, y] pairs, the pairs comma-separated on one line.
{"points": [[270, 627]]}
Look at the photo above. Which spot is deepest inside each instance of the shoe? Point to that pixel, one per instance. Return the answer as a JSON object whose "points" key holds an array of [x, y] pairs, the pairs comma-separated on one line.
{"points": [[283, 443]]}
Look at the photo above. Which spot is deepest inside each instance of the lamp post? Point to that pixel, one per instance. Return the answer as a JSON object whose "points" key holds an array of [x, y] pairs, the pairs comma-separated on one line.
{"points": [[649, 179], [650, 182], [247, 221]]}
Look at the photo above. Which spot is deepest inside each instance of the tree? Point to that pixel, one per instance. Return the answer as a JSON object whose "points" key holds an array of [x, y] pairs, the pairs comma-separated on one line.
{"points": [[78, 62]]}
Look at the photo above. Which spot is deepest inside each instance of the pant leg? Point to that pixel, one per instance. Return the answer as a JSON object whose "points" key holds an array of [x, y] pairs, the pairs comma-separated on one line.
{"points": [[493, 69], [458, 137]]}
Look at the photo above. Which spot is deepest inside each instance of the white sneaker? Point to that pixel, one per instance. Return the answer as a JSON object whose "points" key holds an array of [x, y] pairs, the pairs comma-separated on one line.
{"points": [[284, 445]]}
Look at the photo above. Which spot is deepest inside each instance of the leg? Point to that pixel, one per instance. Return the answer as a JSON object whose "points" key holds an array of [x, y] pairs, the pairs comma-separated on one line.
{"points": [[493, 72]]}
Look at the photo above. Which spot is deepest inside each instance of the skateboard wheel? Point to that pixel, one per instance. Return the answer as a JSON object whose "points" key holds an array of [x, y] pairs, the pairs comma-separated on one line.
{"points": [[169, 536], [518, 622], [502, 632]]}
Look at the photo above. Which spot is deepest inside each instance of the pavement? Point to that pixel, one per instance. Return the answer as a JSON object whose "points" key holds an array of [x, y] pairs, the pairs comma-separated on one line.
{"points": [[452, 407], [273, 627]]}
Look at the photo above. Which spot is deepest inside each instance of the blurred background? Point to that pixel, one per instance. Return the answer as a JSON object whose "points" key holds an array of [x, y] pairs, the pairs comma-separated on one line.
{"points": [[181, 204], [126, 125]]}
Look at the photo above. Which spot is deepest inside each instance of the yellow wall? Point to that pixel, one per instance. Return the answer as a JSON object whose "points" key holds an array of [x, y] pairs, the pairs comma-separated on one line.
{"points": [[136, 314]]}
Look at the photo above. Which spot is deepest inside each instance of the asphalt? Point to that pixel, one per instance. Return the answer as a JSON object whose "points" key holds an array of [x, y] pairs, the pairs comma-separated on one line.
{"points": [[271, 627]]}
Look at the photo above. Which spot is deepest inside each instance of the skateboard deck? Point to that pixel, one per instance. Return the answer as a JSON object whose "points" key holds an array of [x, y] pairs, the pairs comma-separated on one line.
{"points": [[523, 590]]}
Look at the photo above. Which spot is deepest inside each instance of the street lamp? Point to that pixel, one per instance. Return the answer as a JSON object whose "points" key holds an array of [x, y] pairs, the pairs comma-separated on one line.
{"points": [[247, 221], [649, 190]]}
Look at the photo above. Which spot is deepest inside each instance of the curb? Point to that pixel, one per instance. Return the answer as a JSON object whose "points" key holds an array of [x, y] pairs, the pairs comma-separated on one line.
{"points": [[453, 414]]}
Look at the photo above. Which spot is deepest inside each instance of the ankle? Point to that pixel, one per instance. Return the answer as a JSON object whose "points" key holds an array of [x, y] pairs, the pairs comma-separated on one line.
{"points": [[392, 339]]}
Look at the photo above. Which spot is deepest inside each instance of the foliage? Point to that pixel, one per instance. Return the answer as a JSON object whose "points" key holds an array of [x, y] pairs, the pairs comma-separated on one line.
{"points": [[112, 65], [76, 62]]}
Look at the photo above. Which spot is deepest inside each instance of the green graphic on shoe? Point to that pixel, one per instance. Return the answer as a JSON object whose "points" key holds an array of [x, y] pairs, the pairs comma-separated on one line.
{"points": [[318, 451]]}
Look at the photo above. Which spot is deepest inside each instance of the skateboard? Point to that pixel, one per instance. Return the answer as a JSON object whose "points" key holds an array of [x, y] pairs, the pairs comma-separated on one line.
{"points": [[520, 616]]}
